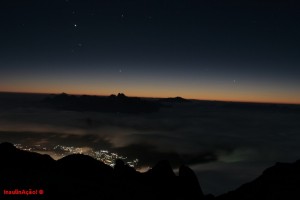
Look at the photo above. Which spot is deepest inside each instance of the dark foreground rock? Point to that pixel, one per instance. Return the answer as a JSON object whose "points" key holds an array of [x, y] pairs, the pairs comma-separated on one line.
{"points": [[281, 181], [82, 177]]}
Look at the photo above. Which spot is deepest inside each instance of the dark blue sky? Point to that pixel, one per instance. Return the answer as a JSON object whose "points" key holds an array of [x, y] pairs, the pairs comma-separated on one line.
{"points": [[218, 50]]}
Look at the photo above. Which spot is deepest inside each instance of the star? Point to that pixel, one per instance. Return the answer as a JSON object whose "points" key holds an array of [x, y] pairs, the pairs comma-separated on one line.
{"points": [[75, 25], [120, 71]]}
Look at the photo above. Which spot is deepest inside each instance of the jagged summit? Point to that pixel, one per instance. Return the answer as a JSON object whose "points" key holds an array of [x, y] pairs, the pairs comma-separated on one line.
{"points": [[162, 169]]}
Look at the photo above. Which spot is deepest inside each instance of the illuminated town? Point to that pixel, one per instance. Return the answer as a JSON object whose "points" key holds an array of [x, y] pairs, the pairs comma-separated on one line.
{"points": [[60, 151]]}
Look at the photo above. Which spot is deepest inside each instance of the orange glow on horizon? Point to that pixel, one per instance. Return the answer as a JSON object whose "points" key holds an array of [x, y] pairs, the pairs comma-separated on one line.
{"points": [[206, 96]]}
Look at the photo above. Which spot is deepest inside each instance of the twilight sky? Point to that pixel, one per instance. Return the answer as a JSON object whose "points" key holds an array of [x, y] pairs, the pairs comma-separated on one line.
{"points": [[215, 50]]}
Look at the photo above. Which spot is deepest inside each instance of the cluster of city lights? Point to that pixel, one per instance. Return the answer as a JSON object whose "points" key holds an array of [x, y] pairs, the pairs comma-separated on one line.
{"points": [[62, 151]]}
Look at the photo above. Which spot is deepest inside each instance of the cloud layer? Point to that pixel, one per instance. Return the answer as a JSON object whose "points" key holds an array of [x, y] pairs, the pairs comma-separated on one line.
{"points": [[213, 139]]}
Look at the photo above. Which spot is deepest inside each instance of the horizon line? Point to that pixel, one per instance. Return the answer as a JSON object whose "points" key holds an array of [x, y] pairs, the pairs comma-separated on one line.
{"points": [[153, 97]]}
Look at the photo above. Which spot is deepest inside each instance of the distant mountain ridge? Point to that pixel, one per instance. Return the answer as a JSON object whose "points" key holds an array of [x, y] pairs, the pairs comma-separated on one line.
{"points": [[174, 100], [113, 103]]}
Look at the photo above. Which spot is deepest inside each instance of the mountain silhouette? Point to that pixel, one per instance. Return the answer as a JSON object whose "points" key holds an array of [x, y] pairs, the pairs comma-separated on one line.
{"points": [[174, 100], [80, 176], [114, 103], [281, 181]]}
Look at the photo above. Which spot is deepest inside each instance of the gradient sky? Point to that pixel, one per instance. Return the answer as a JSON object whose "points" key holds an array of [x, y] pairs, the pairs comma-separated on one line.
{"points": [[215, 50]]}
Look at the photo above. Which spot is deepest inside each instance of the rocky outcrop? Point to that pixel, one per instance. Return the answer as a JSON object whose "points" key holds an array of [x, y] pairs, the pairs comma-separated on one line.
{"points": [[82, 177], [281, 181]]}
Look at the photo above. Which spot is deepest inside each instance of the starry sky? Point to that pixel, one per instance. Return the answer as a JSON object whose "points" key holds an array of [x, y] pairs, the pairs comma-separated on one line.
{"points": [[212, 50]]}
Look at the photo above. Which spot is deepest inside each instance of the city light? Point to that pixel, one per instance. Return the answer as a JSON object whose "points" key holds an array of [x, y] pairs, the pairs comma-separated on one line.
{"points": [[109, 158]]}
